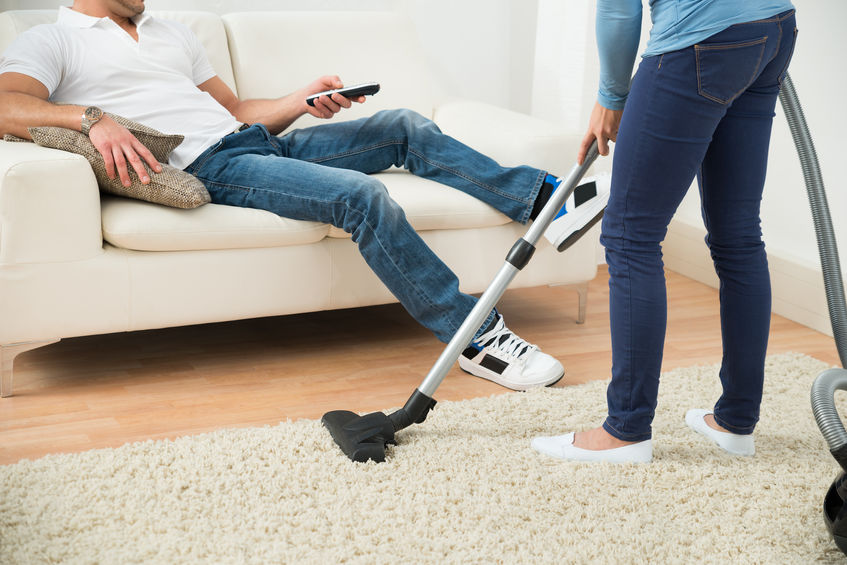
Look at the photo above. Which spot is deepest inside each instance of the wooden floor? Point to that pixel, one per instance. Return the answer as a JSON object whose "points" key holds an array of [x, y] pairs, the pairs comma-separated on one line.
{"points": [[104, 391]]}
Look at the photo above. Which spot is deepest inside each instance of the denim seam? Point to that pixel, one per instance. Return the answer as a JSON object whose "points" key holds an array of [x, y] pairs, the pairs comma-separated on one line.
{"points": [[724, 46], [402, 272], [613, 431], [778, 45], [465, 177], [356, 152], [739, 430], [625, 257], [781, 74], [698, 48], [208, 182], [767, 21], [409, 281], [212, 151]]}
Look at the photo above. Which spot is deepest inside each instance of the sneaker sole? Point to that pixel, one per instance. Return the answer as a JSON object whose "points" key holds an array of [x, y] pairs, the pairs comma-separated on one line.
{"points": [[495, 378], [574, 237]]}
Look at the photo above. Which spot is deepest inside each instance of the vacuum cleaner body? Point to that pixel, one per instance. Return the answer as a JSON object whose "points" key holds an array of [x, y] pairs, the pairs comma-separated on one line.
{"points": [[829, 422], [835, 511]]}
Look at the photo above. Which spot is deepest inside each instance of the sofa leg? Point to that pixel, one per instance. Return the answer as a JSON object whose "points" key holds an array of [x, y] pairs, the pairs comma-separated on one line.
{"points": [[582, 290], [8, 353]]}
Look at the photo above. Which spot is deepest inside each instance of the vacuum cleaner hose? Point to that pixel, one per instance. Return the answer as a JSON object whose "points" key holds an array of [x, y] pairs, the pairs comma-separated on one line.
{"points": [[824, 387], [830, 263]]}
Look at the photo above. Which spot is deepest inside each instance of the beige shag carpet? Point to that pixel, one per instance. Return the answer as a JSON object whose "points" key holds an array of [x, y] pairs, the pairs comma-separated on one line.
{"points": [[464, 487]]}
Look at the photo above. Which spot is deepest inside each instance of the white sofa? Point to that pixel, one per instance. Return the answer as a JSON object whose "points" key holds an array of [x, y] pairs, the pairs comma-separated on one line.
{"points": [[74, 262]]}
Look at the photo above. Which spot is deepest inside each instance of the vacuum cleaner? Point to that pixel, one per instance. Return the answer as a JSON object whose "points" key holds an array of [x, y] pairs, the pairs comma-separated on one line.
{"points": [[364, 438], [828, 382]]}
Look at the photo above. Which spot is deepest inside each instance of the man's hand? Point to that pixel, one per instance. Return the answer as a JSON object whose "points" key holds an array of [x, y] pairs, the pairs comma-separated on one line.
{"points": [[603, 126], [118, 146], [326, 106]]}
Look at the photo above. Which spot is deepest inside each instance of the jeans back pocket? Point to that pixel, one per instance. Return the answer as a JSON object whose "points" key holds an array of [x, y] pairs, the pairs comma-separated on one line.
{"points": [[725, 70]]}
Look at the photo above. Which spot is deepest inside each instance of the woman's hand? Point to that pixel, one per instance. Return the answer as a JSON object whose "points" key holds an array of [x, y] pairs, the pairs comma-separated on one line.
{"points": [[603, 126]]}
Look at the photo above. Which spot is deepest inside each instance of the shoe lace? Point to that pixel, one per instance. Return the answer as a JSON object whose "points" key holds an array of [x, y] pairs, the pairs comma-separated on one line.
{"points": [[504, 340]]}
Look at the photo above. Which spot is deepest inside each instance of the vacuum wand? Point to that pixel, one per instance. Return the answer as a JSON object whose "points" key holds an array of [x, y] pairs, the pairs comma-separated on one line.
{"points": [[364, 438]]}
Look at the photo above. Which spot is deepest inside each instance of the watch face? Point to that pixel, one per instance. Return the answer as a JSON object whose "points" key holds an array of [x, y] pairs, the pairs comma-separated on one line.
{"points": [[92, 113]]}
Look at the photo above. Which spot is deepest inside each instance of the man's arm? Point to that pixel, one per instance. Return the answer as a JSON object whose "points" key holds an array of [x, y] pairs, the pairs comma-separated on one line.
{"points": [[278, 114], [23, 104]]}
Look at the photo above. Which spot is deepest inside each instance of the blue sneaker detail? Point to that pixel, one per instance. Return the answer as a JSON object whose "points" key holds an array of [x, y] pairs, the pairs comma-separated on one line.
{"points": [[555, 182]]}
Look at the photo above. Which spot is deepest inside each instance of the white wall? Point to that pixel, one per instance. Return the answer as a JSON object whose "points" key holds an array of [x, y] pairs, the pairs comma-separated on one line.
{"points": [[818, 73]]}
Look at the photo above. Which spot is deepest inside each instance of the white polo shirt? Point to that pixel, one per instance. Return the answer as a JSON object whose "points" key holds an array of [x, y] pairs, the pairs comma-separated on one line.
{"points": [[93, 62]]}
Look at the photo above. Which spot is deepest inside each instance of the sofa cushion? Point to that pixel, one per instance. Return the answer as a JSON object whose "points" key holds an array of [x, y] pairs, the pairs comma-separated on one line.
{"points": [[137, 225], [146, 227], [172, 187]]}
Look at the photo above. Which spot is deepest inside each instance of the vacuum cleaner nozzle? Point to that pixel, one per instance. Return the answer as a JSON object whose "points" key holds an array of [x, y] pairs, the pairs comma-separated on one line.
{"points": [[361, 438], [364, 438]]}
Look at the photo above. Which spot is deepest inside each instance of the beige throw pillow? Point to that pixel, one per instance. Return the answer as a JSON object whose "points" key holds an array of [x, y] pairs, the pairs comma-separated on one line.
{"points": [[172, 187]]}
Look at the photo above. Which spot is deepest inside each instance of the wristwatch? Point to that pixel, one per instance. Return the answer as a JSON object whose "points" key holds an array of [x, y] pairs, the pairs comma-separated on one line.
{"points": [[90, 117]]}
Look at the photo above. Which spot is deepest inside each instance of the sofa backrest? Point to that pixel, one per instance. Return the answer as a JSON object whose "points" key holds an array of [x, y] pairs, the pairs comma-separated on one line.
{"points": [[275, 53], [208, 27]]}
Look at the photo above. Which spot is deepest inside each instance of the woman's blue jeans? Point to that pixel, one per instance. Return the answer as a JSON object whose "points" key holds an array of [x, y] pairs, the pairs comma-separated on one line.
{"points": [[703, 111], [321, 174]]}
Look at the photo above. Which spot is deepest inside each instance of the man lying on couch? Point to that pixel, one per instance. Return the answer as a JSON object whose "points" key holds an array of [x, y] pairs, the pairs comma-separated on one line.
{"points": [[108, 54]]}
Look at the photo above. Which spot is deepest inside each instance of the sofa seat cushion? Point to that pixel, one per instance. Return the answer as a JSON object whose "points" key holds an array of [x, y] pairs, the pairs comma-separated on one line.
{"points": [[141, 226]]}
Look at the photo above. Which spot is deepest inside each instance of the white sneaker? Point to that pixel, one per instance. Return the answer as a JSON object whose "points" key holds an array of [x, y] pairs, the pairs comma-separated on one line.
{"points": [[584, 208], [500, 356], [735, 444]]}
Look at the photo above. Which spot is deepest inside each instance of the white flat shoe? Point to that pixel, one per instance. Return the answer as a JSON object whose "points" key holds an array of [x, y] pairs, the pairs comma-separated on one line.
{"points": [[562, 447], [735, 444]]}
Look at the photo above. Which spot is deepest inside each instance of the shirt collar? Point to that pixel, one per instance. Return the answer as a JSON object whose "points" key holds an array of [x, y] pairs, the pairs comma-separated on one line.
{"points": [[73, 18]]}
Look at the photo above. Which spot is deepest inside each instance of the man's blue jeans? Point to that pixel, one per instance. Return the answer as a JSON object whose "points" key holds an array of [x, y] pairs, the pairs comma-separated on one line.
{"points": [[706, 110], [321, 174]]}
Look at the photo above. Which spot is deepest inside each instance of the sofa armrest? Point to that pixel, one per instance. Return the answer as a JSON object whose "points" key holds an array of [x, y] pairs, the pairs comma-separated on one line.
{"points": [[49, 206], [509, 137]]}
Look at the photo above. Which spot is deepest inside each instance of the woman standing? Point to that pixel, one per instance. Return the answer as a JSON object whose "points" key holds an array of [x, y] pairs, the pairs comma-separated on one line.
{"points": [[701, 104]]}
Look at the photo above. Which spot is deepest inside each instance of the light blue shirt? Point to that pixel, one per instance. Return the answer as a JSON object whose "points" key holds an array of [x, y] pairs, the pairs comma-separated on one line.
{"points": [[676, 24]]}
